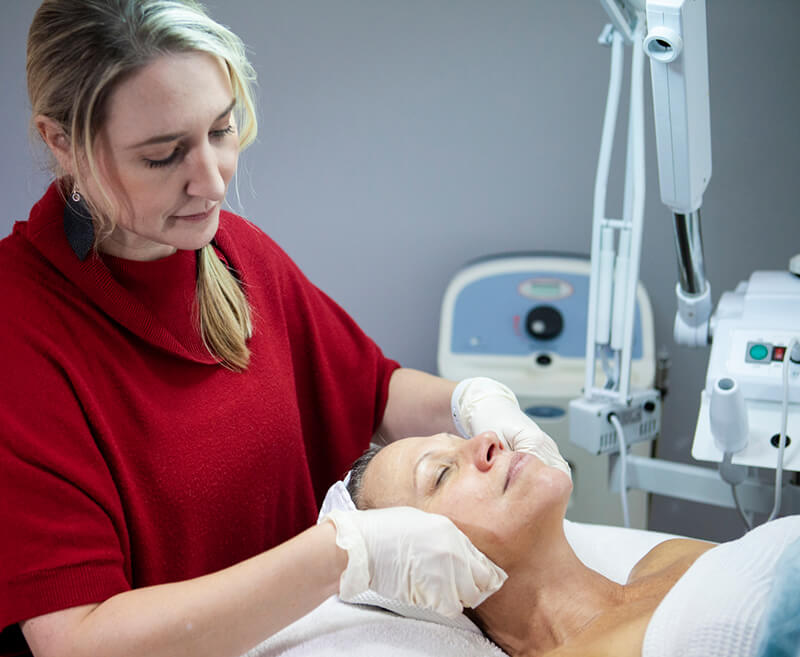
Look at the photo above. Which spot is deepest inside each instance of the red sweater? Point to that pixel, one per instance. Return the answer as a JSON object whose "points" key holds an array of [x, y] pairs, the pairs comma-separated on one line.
{"points": [[127, 457]]}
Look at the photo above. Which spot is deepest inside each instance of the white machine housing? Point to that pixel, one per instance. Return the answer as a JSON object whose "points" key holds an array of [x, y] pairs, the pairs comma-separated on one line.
{"points": [[753, 375], [676, 46], [483, 333], [753, 328]]}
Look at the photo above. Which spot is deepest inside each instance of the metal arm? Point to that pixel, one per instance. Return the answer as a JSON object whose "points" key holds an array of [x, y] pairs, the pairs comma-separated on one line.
{"points": [[676, 44], [616, 246], [689, 247], [755, 327], [674, 39]]}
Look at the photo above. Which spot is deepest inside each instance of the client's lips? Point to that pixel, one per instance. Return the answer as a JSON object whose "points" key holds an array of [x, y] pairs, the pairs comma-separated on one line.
{"points": [[518, 461]]}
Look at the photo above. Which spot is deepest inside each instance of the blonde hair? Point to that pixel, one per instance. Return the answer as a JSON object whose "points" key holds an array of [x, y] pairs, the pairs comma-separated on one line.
{"points": [[78, 51]]}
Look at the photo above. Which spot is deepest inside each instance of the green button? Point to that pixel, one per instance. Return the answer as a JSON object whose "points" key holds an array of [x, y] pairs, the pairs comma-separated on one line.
{"points": [[758, 352]]}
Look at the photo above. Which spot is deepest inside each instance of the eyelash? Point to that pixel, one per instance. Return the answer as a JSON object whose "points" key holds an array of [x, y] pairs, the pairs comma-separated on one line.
{"points": [[215, 134], [441, 477]]}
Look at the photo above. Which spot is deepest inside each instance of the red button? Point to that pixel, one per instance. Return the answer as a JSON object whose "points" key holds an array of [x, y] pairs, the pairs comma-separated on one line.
{"points": [[778, 353]]}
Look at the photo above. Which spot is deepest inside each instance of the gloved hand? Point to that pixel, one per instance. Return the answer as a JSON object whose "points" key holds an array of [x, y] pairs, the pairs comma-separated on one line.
{"points": [[414, 557], [482, 404]]}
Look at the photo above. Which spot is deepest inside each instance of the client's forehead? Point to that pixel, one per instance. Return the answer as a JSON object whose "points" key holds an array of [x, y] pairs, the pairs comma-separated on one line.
{"points": [[389, 478]]}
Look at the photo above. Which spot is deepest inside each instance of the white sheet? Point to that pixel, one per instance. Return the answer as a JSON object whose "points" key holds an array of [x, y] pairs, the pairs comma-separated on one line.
{"points": [[337, 629], [611, 551], [716, 609]]}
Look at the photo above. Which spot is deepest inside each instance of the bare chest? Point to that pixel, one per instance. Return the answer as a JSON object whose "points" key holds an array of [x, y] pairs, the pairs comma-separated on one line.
{"points": [[620, 631]]}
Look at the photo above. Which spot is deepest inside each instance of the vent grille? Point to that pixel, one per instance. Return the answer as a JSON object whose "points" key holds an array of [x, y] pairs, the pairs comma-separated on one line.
{"points": [[647, 429]]}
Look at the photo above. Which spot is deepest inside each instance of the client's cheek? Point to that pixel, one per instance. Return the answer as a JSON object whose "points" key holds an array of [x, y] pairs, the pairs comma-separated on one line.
{"points": [[492, 541]]}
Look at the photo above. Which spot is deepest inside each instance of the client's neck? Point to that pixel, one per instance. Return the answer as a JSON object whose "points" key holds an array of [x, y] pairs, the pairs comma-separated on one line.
{"points": [[546, 600]]}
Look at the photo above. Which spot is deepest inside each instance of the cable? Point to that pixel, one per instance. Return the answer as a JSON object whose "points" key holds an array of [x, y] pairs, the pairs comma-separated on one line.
{"points": [[782, 437], [747, 522], [623, 475], [735, 475]]}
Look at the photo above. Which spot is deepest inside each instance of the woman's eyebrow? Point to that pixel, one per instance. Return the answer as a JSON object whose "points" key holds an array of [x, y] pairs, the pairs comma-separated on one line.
{"points": [[165, 139], [418, 463], [226, 110]]}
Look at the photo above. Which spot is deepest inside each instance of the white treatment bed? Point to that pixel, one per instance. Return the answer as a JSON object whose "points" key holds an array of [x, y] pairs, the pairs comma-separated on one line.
{"points": [[338, 629]]}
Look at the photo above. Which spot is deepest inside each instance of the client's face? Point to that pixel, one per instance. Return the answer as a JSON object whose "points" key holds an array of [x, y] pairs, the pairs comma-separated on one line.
{"points": [[500, 499]]}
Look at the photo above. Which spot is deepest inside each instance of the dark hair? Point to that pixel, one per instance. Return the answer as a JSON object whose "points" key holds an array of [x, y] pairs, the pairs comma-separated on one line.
{"points": [[356, 481]]}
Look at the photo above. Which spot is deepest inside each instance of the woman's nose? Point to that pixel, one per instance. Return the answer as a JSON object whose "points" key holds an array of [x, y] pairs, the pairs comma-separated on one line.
{"points": [[205, 176], [484, 449]]}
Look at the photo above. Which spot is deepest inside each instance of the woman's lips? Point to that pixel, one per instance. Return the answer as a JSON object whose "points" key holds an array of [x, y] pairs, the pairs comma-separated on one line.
{"points": [[518, 461], [195, 217]]}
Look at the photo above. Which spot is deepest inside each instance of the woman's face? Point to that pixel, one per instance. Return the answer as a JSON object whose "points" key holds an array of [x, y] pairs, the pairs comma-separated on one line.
{"points": [[502, 500], [167, 151]]}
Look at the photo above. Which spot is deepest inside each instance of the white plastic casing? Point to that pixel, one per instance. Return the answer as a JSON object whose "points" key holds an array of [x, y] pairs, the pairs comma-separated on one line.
{"points": [[728, 415], [558, 382], [691, 319], [762, 311], [676, 45]]}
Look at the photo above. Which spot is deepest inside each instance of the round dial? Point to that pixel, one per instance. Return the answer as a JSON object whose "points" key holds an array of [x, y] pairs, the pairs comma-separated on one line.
{"points": [[544, 323]]}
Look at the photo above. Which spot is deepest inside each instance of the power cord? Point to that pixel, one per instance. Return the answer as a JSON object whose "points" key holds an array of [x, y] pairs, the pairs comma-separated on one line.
{"points": [[782, 437], [742, 514], [623, 461], [776, 507]]}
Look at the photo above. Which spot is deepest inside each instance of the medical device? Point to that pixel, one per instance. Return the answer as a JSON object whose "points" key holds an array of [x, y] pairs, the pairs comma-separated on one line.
{"points": [[521, 319], [750, 406]]}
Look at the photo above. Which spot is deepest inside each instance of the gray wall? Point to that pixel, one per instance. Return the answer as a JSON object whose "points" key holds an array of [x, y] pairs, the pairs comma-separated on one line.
{"points": [[400, 139]]}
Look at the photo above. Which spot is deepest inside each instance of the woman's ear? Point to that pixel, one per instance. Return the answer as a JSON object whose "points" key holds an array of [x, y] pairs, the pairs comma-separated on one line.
{"points": [[57, 141]]}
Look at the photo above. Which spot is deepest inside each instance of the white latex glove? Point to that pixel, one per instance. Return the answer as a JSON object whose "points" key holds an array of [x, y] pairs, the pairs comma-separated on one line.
{"points": [[482, 404], [414, 557]]}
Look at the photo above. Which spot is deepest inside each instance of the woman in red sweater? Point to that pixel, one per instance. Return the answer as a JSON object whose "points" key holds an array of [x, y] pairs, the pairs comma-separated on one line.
{"points": [[177, 396]]}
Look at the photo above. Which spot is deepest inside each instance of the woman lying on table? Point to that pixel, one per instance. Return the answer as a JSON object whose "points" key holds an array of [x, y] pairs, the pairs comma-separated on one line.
{"points": [[685, 597]]}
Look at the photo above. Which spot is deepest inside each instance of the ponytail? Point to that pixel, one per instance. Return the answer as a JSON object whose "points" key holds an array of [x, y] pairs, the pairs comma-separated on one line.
{"points": [[223, 311]]}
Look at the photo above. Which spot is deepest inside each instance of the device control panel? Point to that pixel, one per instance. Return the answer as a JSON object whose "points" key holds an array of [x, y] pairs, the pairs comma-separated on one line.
{"points": [[519, 313], [766, 353]]}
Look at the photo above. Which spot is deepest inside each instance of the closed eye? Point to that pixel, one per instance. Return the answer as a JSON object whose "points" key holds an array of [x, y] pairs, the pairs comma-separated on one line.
{"points": [[218, 134], [214, 134], [166, 161], [443, 472]]}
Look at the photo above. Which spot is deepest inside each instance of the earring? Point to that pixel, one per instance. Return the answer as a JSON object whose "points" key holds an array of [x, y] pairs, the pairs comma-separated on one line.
{"points": [[78, 225]]}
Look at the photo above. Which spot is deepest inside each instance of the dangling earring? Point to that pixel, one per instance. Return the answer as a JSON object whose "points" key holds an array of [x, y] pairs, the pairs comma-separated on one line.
{"points": [[78, 225]]}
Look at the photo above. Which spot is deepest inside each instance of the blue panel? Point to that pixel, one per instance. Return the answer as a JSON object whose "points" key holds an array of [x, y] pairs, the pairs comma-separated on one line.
{"points": [[545, 412], [489, 317]]}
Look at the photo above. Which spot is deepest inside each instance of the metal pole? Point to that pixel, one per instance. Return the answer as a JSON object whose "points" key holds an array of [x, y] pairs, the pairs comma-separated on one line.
{"points": [[689, 247]]}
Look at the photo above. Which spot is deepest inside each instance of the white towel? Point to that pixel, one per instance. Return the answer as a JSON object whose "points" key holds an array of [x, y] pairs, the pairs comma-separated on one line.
{"points": [[336, 629], [716, 609]]}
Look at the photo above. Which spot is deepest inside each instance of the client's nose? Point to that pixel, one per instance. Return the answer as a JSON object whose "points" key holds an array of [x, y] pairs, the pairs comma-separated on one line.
{"points": [[484, 449]]}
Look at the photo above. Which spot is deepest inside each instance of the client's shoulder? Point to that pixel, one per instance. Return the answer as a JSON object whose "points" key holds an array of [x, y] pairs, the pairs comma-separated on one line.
{"points": [[669, 559], [620, 631]]}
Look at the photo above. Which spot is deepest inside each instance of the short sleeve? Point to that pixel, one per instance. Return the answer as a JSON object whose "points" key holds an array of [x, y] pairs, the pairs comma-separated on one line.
{"points": [[62, 527], [341, 375], [343, 382]]}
